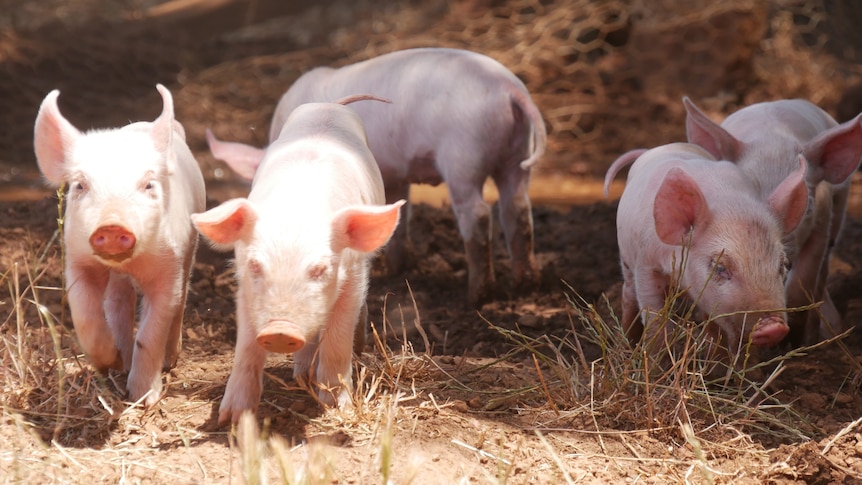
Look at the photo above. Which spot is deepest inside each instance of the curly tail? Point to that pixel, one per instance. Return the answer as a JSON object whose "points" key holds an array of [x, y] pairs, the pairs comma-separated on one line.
{"points": [[624, 160], [540, 134]]}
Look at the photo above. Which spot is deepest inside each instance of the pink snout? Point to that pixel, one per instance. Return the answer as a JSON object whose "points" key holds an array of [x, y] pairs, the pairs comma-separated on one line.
{"points": [[280, 336], [112, 242], [769, 331]]}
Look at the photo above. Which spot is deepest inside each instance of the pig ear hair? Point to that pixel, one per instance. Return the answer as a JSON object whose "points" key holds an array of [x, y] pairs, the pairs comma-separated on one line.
{"points": [[163, 126], [53, 135], [227, 223], [701, 130], [837, 151], [679, 207], [789, 201], [364, 228]]}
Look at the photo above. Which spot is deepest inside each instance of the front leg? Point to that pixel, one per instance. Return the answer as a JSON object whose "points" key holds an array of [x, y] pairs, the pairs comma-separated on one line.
{"points": [[161, 305], [120, 305], [245, 383], [474, 224], [85, 290], [334, 373]]}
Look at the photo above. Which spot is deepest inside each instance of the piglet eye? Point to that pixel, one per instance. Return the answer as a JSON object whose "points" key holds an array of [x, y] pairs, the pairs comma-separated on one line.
{"points": [[721, 271], [79, 186], [317, 271], [255, 268]]}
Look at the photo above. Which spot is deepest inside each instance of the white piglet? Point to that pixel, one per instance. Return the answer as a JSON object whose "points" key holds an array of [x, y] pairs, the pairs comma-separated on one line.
{"points": [[303, 240], [457, 117], [765, 141], [131, 191]]}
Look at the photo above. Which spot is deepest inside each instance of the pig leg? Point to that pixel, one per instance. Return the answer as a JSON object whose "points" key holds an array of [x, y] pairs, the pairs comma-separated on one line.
{"points": [[246, 377], [516, 218], [803, 285], [120, 305], [174, 342], [399, 244], [833, 323], [360, 333], [160, 308], [474, 224], [334, 369], [651, 289], [631, 323], [85, 290]]}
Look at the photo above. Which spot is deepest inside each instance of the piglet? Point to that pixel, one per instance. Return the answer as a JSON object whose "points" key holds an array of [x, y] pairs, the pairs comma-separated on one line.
{"points": [[765, 140], [303, 240], [126, 227], [457, 117], [678, 197]]}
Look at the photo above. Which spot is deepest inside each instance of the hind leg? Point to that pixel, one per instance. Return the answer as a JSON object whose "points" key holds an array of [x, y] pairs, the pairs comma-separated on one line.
{"points": [[398, 247], [474, 224], [516, 219]]}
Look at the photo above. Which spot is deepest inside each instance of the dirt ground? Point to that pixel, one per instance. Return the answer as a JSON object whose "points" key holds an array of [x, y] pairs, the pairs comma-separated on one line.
{"points": [[448, 394]]}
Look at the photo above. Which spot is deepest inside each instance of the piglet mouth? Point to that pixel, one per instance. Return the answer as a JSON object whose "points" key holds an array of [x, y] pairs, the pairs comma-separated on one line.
{"points": [[769, 331], [281, 336]]}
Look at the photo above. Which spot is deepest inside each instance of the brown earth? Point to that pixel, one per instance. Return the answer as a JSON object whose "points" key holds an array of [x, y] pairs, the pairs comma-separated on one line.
{"points": [[490, 379]]}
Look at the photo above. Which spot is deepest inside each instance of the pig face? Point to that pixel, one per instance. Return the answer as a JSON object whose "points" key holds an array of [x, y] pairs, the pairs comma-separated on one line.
{"points": [[735, 268], [118, 181], [290, 280]]}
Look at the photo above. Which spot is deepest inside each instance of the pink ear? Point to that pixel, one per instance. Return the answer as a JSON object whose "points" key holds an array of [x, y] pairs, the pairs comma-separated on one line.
{"points": [[364, 228], [242, 159], [679, 207], [837, 151], [53, 136], [789, 201], [708, 134], [227, 223]]}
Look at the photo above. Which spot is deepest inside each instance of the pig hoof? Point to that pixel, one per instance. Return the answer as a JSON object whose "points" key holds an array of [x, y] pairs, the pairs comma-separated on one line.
{"points": [[769, 331], [281, 337]]}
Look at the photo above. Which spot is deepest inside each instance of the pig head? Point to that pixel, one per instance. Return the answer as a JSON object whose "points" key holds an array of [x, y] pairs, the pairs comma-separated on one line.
{"points": [[689, 219], [303, 240], [126, 226], [456, 117], [765, 141]]}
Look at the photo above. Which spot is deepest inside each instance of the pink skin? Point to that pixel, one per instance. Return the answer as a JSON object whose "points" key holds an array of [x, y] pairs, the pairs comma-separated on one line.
{"points": [[456, 117], [735, 262], [131, 192], [765, 140], [303, 240]]}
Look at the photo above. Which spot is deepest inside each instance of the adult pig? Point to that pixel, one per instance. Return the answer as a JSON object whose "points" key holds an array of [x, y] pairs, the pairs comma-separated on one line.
{"points": [[303, 240], [765, 140], [456, 117], [679, 197], [131, 191]]}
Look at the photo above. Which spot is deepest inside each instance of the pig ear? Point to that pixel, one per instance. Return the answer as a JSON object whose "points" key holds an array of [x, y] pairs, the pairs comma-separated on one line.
{"points": [[364, 228], [53, 135], [227, 223], [163, 126], [679, 207], [242, 159], [708, 134], [837, 152], [789, 201]]}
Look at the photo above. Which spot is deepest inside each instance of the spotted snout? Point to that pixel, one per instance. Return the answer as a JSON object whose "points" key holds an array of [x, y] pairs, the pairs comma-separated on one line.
{"points": [[113, 243]]}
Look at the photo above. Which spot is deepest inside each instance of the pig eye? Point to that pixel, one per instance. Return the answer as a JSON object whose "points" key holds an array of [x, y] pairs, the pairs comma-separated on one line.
{"points": [[317, 271], [719, 270], [255, 268], [78, 187]]}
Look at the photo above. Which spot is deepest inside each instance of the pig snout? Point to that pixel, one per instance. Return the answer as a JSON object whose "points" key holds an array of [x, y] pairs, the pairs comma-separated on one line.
{"points": [[113, 243], [281, 336], [769, 331]]}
